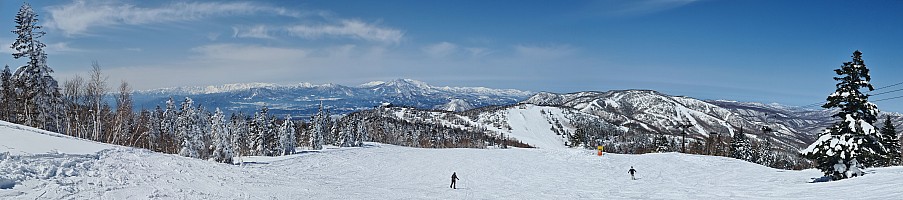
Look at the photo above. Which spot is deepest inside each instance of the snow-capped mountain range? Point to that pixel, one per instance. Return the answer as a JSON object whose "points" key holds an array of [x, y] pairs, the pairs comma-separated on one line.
{"points": [[652, 111], [645, 110], [303, 99]]}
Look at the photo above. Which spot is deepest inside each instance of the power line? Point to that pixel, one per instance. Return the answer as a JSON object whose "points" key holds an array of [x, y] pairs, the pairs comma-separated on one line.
{"points": [[897, 90], [895, 84], [818, 104], [896, 97]]}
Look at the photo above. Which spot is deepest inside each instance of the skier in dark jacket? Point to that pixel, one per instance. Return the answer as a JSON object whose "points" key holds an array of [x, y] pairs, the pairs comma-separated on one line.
{"points": [[454, 177], [631, 172]]}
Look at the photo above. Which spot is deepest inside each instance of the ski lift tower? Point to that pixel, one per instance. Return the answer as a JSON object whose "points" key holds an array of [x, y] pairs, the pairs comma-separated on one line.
{"points": [[683, 126]]}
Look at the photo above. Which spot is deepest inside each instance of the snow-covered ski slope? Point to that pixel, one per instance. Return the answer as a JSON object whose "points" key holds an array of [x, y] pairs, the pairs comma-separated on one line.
{"points": [[17, 139], [533, 125], [379, 171]]}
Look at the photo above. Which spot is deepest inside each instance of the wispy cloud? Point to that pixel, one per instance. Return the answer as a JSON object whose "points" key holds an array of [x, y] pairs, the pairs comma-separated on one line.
{"points": [[636, 7], [61, 47], [80, 16], [345, 63], [237, 52], [478, 51], [258, 31], [348, 28], [440, 50]]}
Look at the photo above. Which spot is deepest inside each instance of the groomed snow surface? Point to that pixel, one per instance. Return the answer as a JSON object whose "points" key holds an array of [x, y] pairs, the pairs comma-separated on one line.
{"points": [[379, 171]]}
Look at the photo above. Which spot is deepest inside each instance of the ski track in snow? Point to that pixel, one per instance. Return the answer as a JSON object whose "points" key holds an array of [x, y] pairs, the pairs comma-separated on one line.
{"points": [[380, 171]]}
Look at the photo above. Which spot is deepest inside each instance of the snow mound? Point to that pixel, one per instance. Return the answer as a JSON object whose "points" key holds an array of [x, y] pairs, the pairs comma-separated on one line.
{"points": [[23, 140]]}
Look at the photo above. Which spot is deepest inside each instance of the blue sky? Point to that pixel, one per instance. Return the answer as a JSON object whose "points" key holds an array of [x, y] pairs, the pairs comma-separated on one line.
{"points": [[761, 51]]}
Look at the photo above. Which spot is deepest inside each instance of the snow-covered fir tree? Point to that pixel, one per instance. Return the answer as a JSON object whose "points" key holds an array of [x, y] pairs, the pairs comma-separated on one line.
{"points": [[287, 136], [258, 132], [222, 138], [168, 127], [763, 153], [272, 136], [152, 126], [319, 128], [7, 95], [239, 128], [189, 130], [851, 143], [890, 140], [741, 147], [40, 96]]}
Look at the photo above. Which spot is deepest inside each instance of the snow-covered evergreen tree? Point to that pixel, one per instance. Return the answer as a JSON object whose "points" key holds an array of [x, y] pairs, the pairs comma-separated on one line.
{"points": [[319, 126], [189, 130], [239, 129], [287, 136], [741, 147], [222, 138], [154, 131], [168, 127], [260, 132], [891, 142], [7, 95], [851, 143], [272, 135], [764, 154], [39, 91]]}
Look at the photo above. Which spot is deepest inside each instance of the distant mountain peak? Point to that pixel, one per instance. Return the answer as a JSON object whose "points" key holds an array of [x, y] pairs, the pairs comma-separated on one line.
{"points": [[372, 84]]}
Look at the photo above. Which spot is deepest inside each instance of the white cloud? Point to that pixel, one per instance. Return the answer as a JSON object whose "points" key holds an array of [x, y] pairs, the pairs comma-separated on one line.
{"points": [[79, 16], [237, 52], [258, 31], [348, 28], [440, 50], [478, 51], [61, 47]]}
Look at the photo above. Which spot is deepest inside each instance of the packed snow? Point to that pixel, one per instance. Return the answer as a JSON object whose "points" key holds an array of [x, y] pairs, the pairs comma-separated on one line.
{"points": [[379, 171], [21, 140]]}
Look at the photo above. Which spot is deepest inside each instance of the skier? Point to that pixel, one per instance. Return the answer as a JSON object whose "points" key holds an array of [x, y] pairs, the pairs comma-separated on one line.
{"points": [[454, 177], [632, 171]]}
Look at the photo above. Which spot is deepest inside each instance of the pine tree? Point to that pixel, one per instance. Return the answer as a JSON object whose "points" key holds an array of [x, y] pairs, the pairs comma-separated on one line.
{"points": [[189, 131], [851, 143], [273, 137], [260, 132], [168, 127], [154, 133], [889, 139], [222, 139], [740, 147], [319, 126], [287, 136], [764, 155], [40, 95], [7, 95], [239, 129]]}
